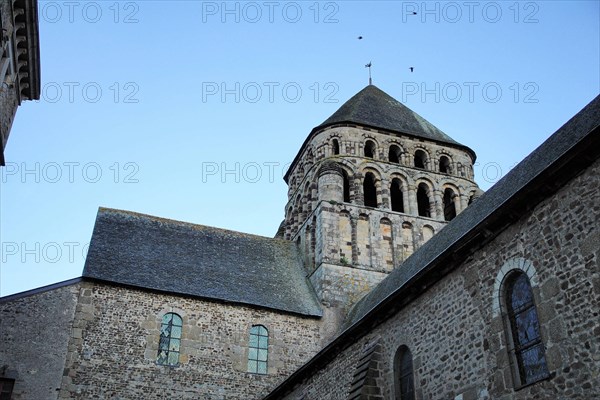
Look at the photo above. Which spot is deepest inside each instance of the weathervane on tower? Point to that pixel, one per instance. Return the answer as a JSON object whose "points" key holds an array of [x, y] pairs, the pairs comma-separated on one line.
{"points": [[369, 66]]}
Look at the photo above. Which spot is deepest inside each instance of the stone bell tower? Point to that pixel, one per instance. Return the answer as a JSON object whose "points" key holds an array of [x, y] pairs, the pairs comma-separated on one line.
{"points": [[370, 185]]}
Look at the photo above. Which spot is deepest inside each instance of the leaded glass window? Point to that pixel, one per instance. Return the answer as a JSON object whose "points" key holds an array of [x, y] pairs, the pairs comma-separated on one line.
{"points": [[170, 340], [258, 349], [527, 343], [403, 370]]}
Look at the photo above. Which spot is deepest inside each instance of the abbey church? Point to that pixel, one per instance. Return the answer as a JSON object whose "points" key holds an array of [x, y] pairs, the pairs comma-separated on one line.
{"points": [[392, 276]]}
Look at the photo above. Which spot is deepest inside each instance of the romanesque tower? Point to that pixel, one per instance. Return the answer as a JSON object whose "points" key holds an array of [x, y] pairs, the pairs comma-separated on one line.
{"points": [[370, 185]]}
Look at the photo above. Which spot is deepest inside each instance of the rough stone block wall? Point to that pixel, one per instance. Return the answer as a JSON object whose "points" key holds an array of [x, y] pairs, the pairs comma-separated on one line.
{"points": [[355, 248], [113, 350], [334, 381], [457, 335], [34, 332], [385, 255], [339, 286], [379, 239]]}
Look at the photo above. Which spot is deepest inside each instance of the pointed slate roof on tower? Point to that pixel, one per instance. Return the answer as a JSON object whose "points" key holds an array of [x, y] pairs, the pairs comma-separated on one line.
{"points": [[375, 108]]}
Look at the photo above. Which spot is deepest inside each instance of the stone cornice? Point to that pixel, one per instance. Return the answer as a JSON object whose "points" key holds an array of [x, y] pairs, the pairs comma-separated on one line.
{"points": [[26, 48]]}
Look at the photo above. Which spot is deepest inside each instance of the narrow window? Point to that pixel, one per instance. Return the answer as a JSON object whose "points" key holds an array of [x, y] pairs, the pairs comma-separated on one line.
{"points": [[396, 196], [336, 146], [449, 206], [6, 388], [369, 149], [403, 372], [527, 346], [369, 190], [423, 200], [258, 349], [444, 165], [420, 159], [170, 340], [346, 188], [394, 154]]}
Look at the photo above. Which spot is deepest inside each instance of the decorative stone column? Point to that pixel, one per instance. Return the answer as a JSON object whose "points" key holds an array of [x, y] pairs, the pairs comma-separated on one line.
{"points": [[331, 182], [411, 196], [437, 211]]}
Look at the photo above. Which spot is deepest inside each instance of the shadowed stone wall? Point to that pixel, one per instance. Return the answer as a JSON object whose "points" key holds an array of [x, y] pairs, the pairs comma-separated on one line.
{"points": [[455, 330], [34, 332]]}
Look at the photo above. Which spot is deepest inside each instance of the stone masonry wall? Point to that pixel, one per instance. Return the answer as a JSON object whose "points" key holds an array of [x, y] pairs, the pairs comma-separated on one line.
{"points": [[112, 353], [380, 240], [456, 331], [34, 332], [350, 249], [304, 192]]}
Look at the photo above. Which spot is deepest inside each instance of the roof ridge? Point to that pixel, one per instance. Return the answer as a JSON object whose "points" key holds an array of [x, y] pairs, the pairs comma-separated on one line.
{"points": [[387, 113], [171, 221], [373, 108]]}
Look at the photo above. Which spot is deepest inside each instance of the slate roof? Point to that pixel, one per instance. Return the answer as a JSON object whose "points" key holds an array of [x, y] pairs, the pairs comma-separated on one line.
{"points": [[560, 158], [374, 108], [187, 259]]}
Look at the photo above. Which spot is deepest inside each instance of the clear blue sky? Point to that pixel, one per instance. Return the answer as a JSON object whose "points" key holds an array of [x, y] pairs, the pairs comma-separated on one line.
{"points": [[191, 110]]}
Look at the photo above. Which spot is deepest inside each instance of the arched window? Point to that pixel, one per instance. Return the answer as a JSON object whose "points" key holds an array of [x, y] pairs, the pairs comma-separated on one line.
{"points": [[394, 154], [403, 374], [444, 165], [258, 350], [170, 340], [396, 196], [420, 159], [369, 149], [346, 187], [449, 206], [423, 200], [525, 341], [336, 146], [369, 190]]}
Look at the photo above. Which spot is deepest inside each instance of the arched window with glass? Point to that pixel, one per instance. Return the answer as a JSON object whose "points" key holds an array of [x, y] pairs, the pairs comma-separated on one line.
{"points": [[403, 374], [525, 342], [169, 344], [258, 350]]}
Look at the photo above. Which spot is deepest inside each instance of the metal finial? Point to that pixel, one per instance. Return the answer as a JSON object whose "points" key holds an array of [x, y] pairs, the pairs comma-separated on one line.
{"points": [[369, 66]]}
